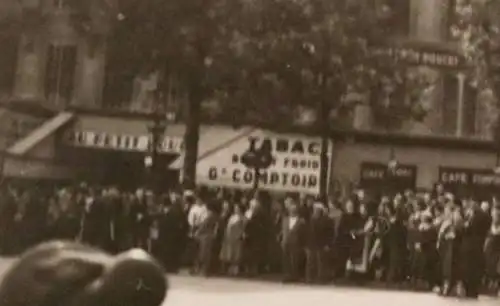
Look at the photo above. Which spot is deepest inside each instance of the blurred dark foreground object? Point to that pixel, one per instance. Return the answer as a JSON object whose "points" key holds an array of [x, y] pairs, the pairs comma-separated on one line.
{"points": [[69, 274]]}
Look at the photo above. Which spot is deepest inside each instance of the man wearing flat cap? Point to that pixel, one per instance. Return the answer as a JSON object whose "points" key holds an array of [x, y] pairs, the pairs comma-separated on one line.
{"points": [[65, 273]]}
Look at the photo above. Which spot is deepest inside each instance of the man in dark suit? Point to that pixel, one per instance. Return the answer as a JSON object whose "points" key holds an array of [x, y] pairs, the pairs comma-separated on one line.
{"points": [[471, 250], [319, 233], [255, 238], [66, 273], [293, 242], [173, 232]]}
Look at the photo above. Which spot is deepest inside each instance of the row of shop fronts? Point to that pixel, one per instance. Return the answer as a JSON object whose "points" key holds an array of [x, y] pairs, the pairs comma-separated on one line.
{"points": [[107, 149], [482, 183]]}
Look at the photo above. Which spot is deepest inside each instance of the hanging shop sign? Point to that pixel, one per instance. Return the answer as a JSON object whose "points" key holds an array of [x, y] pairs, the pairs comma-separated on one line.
{"points": [[378, 175], [122, 142], [295, 167]]}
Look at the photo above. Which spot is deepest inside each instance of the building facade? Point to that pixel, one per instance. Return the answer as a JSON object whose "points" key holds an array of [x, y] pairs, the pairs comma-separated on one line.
{"points": [[54, 66]]}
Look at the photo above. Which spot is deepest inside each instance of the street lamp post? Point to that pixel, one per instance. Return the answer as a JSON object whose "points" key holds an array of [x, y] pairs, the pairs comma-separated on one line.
{"points": [[156, 130], [258, 160], [392, 167]]}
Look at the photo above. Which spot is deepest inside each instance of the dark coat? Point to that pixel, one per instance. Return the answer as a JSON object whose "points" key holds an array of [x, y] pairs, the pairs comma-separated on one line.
{"points": [[293, 239], [492, 253], [141, 222], [256, 238], [97, 225], [319, 233], [173, 231], [347, 224], [424, 254], [474, 235]]}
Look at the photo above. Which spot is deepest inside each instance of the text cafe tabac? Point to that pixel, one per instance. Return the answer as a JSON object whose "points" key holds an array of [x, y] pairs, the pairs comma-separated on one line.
{"points": [[296, 164], [469, 178], [377, 174]]}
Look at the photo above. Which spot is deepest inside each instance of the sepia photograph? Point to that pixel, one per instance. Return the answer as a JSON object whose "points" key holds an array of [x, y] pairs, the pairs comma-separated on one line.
{"points": [[249, 152]]}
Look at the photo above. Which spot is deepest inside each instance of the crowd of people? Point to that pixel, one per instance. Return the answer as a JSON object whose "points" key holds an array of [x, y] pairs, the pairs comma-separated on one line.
{"points": [[428, 240]]}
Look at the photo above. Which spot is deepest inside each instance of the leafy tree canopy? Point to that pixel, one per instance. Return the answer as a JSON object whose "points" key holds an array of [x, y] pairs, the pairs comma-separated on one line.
{"points": [[477, 30], [260, 58]]}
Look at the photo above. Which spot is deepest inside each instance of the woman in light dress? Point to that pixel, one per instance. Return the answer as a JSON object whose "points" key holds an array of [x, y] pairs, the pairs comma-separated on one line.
{"points": [[231, 252]]}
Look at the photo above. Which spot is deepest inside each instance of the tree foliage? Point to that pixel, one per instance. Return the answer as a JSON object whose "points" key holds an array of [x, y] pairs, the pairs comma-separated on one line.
{"points": [[296, 53], [262, 59], [477, 30]]}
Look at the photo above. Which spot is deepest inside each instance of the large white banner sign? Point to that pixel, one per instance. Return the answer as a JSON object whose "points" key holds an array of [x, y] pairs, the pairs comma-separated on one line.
{"points": [[296, 165]]}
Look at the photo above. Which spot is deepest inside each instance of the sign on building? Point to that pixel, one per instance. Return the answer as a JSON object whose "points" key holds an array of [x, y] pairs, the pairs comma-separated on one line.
{"points": [[378, 176], [295, 168], [415, 54], [477, 182], [122, 142]]}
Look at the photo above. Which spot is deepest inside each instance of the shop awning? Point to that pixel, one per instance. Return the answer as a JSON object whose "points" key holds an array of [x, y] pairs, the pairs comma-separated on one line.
{"points": [[32, 168], [25, 144], [212, 140]]}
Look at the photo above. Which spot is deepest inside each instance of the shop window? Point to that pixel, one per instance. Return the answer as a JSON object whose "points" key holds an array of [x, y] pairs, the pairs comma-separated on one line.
{"points": [[449, 104], [120, 71], [60, 72], [118, 86], [470, 111]]}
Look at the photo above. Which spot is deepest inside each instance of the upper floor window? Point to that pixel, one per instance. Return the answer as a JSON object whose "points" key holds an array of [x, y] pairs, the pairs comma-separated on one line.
{"points": [[60, 73], [30, 4], [8, 63], [450, 19], [61, 4], [398, 16]]}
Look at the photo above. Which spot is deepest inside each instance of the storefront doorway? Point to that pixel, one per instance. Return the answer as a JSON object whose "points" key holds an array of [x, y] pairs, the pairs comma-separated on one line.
{"points": [[123, 169]]}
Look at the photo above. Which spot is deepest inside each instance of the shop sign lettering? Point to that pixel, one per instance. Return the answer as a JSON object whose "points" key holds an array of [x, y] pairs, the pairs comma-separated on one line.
{"points": [[379, 176], [376, 171], [420, 56], [469, 177], [296, 164], [138, 143]]}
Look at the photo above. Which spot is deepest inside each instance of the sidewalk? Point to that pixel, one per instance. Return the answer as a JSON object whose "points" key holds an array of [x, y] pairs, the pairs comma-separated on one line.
{"points": [[276, 278]]}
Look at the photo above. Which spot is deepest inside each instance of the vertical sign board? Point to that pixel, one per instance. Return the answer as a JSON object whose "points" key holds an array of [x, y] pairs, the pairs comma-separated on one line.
{"points": [[378, 178], [480, 183], [295, 168]]}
